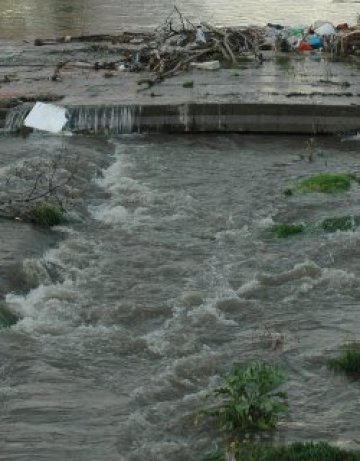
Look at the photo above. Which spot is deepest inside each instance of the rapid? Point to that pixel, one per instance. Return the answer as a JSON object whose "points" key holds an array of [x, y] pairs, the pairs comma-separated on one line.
{"points": [[163, 276]]}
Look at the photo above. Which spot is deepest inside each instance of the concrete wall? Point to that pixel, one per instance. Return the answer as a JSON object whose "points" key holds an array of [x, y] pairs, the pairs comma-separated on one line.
{"points": [[212, 117], [246, 118], [249, 118]]}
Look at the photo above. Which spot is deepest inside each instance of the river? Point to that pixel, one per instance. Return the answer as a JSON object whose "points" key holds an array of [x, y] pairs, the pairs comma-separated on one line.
{"points": [[165, 275], [29, 19]]}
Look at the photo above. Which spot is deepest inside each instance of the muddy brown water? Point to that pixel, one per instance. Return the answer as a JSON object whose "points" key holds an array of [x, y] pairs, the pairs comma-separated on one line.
{"points": [[164, 276], [38, 18]]}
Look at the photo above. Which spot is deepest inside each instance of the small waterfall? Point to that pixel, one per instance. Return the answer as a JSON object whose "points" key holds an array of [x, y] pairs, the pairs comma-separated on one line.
{"points": [[104, 119], [16, 116]]}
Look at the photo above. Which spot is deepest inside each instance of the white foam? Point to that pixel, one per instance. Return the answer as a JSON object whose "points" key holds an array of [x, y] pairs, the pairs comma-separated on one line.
{"points": [[35, 271], [265, 223], [46, 308], [114, 172], [249, 287], [129, 198], [355, 137], [108, 214], [208, 312]]}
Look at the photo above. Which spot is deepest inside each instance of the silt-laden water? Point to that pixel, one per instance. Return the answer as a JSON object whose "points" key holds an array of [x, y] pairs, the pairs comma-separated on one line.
{"points": [[164, 276], [38, 18]]}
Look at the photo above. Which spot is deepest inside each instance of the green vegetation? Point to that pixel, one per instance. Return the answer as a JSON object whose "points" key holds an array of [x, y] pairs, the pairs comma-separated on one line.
{"points": [[188, 84], [348, 361], [46, 214], [7, 318], [334, 224], [328, 183], [340, 223], [310, 451], [248, 403], [287, 230]]}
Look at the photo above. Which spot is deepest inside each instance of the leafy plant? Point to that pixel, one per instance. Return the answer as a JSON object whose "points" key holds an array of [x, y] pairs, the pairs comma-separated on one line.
{"points": [[46, 214], [348, 361], [287, 230], [248, 401]]}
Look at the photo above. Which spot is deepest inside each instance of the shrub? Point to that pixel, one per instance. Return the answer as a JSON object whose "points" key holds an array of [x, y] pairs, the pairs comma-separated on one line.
{"points": [[327, 183], [348, 361], [287, 230], [46, 214], [248, 402]]}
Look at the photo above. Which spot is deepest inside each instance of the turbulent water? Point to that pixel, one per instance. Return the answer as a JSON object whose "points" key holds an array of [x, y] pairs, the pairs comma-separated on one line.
{"points": [[164, 275], [38, 18]]}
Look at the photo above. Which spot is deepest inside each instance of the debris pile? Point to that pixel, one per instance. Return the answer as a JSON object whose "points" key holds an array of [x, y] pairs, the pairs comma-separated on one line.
{"points": [[340, 40], [178, 45]]}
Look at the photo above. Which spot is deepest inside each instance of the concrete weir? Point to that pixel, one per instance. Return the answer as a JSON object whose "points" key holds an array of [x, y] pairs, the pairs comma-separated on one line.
{"points": [[216, 117], [286, 93]]}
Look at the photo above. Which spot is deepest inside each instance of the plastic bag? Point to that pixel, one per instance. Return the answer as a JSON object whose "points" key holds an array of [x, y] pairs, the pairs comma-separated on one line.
{"points": [[200, 36]]}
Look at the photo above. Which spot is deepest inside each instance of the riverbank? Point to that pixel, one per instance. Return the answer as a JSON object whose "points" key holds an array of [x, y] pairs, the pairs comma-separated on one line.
{"points": [[281, 92]]}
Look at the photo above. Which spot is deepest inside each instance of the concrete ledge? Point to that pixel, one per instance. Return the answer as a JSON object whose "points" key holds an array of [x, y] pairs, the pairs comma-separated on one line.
{"points": [[212, 117]]}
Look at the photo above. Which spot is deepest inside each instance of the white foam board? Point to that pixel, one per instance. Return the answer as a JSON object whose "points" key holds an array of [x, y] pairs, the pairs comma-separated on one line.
{"points": [[46, 117]]}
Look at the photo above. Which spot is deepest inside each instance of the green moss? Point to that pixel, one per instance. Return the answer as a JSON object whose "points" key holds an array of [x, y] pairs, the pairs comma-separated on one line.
{"points": [[348, 361], [327, 183], [340, 223], [188, 84], [287, 230], [46, 214], [308, 451], [7, 318]]}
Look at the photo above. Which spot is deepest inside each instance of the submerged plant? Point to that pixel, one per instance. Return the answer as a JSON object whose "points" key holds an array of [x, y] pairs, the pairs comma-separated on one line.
{"points": [[287, 230], [188, 84], [327, 183], [217, 455], [298, 451], [348, 361], [308, 451], [248, 400], [340, 223], [46, 214], [7, 318]]}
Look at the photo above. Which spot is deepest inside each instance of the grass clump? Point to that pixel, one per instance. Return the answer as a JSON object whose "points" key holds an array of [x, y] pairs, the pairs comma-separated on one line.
{"points": [[340, 223], [348, 361], [46, 214], [188, 84], [287, 230], [298, 451], [248, 400], [328, 183]]}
